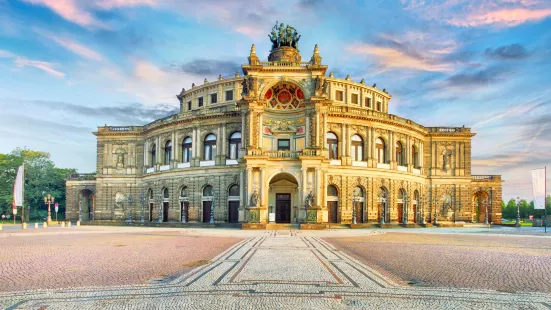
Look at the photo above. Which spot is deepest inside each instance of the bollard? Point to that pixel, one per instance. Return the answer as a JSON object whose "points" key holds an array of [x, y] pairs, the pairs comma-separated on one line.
{"points": [[35, 225], [62, 224], [0, 226], [68, 223], [24, 226], [45, 225], [78, 223]]}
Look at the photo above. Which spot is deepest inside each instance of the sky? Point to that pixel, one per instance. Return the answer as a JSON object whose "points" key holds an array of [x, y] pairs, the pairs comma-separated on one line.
{"points": [[69, 66]]}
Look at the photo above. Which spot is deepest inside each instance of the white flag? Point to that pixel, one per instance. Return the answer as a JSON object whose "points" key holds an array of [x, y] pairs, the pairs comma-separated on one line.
{"points": [[538, 188], [18, 189]]}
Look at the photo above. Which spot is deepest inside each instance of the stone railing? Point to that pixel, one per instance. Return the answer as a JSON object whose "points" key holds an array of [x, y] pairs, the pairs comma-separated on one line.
{"points": [[282, 154], [486, 177], [120, 128], [81, 176], [448, 129], [284, 64], [375, 114]]}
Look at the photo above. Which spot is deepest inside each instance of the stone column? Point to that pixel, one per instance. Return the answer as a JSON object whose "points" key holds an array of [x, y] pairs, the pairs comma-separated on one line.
{"points": [[197, 144], [243, 130], [146, 147], [158, 150], [317, 128], [259, 133], [173, 150]]}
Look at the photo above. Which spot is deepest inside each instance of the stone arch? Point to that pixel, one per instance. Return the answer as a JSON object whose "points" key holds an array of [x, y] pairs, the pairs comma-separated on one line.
{"points": [[481, 206], [86, 202], [383, 201]]}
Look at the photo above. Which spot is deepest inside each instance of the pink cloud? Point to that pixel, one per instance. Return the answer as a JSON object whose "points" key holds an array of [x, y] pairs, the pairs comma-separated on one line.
{"points": [[71, 11], [109, 4], [504, 17], [76, 48], [42, 65]]}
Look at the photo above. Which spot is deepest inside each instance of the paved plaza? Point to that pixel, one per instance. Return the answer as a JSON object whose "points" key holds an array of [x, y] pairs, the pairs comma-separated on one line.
{"points": [[287, 269]]}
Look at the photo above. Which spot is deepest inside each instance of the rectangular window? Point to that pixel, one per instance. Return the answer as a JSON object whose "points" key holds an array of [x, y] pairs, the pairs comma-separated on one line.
{"points": [[229, 95], [355, 99], [189, 105], [200, 101], [213, 98], [379, 107], [339, 95], [368, 102], [283, 145]]}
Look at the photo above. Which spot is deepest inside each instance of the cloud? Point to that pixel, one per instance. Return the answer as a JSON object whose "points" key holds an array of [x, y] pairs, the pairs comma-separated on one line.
{"points": [[72, 46], [507, 52], [501, 17], [208, 67], [479, 78], [71, 10], [6, 54], [45, 66], [110, 4]]}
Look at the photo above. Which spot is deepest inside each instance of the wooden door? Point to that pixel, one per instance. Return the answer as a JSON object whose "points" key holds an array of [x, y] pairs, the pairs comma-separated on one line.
{"points": [[233, 209], [400, 213], [165, 211], [333, 207], [206, 211], [151, 212], [415, 215], [359, 212], [283, 208]]}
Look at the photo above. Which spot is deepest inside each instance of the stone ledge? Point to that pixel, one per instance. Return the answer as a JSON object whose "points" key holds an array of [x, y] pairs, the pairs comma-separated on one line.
{"points": [[312, 226], [363, 225], [251, 226]]}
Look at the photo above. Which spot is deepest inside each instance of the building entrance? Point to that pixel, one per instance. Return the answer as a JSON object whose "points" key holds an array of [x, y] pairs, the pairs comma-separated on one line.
{"points": [[283, 208]]}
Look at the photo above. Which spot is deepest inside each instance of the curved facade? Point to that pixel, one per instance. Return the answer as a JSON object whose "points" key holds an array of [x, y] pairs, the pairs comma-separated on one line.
{"points": [[281, 139]]}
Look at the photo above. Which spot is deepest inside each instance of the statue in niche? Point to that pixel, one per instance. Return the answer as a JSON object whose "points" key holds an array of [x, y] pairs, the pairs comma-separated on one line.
{"points": [[324, 87], [447, 155], [245, 85], [119, 161], [309, 200], [254, 199]]}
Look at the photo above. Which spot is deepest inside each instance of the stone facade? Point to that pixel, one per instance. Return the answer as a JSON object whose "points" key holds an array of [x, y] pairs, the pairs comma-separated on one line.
{"points": [[255, 146]]}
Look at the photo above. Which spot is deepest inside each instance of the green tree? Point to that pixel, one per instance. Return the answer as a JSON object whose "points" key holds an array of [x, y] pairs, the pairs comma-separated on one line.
{"points": [[41, 177], [510, 210]]}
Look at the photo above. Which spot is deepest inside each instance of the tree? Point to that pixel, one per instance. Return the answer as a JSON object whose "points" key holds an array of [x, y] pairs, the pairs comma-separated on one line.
{"points": [[41, 177]]}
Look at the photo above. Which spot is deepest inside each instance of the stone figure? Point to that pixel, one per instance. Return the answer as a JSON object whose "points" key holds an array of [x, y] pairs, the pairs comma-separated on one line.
{"points": [[254, 199], [245, 85], [296, 37], [447, 160], [120, 160], [181, 95], [324, 87], [282, 35], [317, 84], [309, 200], [273, 38]]}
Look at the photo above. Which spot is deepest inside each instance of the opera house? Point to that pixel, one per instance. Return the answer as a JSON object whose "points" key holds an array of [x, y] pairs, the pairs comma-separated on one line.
{"points": [[281, 140]]}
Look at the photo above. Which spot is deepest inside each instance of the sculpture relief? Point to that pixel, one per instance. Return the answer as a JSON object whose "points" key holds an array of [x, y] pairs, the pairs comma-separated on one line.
{"points": [[254, 199], [446, 164]]}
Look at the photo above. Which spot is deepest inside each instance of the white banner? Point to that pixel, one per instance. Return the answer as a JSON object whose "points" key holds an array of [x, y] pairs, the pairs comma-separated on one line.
{"points": [[538, 188], [18, 189]]}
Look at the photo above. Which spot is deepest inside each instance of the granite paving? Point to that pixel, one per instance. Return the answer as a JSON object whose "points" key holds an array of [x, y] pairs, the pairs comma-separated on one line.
{"points": [[277, 270]]}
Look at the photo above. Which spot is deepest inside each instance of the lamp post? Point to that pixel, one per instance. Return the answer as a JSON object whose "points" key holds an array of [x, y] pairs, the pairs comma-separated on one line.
{"points": [[182, 201], [161, 207], [517, 224], [435, 211], [142, 201], [382, 200], [49, 200], [422, 207], [130, 200]]}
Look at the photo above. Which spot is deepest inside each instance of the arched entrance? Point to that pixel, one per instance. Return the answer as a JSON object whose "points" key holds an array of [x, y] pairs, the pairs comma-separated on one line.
{"points": [[282, 197], [481, 205], [208, 196], [233, 204], [382, 197], [358, 200], [165, 205], [86, 205], [401, 205], [184, 204]]}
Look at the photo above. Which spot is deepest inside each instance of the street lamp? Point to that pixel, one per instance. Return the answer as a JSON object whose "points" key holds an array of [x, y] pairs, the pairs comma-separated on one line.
{"points": [[382, 200], [182, 201], [212, 209], [49, 199], [405, 217], [517, 224], [486, 213], [130, 200]]}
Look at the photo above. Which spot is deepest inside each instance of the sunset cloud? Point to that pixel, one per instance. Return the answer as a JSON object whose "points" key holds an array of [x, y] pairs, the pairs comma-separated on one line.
{"points": [[71, 11], [42, 65], [501, 17]]}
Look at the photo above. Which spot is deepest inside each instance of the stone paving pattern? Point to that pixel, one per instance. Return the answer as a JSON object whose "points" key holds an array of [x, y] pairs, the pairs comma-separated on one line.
{"points": [[254, 275], [507, 264], [72, 260]]}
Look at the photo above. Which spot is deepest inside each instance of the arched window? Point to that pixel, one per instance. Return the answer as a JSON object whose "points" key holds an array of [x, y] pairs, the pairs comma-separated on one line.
{"points": [[153, 155], [234, 190], [207, 191], [186, 150], [168, 152], [357, 148], [399, 154], [183, 192], [415, 156], [210, 147], [332, 191], [381, 150], [165, 193], [150, 194], [332, 145], [358, 192], [235, 145]]}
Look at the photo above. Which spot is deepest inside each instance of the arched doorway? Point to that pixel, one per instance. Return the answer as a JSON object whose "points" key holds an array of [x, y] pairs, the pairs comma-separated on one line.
{"points": [[481, 205], [86, 205], [208, 196], [359, 202], [333, 203], [283, 191], [233, 204]]}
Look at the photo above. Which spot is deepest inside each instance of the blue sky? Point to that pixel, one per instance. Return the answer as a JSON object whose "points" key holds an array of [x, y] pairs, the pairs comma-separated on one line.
{"points": [[71, 65]]}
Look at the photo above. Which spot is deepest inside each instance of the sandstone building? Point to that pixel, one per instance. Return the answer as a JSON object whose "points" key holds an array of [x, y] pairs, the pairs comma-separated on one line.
{"points": [[281, 139]]}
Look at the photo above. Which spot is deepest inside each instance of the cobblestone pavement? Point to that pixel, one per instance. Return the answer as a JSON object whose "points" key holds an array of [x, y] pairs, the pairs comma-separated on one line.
{"points": [[483, 262], [84, 259], [277, 269]]}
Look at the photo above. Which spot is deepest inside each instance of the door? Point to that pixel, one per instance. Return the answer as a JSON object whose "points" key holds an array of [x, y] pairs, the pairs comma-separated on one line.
{"points": [[415, 215], [400, 213], [165, 211], [206, 211], [359, 212], [283, 208], [333, 207], [233, 216], [184, 211], [151, 212]]}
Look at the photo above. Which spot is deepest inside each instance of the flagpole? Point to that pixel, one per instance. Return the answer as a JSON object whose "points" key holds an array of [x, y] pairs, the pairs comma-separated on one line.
{"points": [[545, 198], [23, 195]]}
